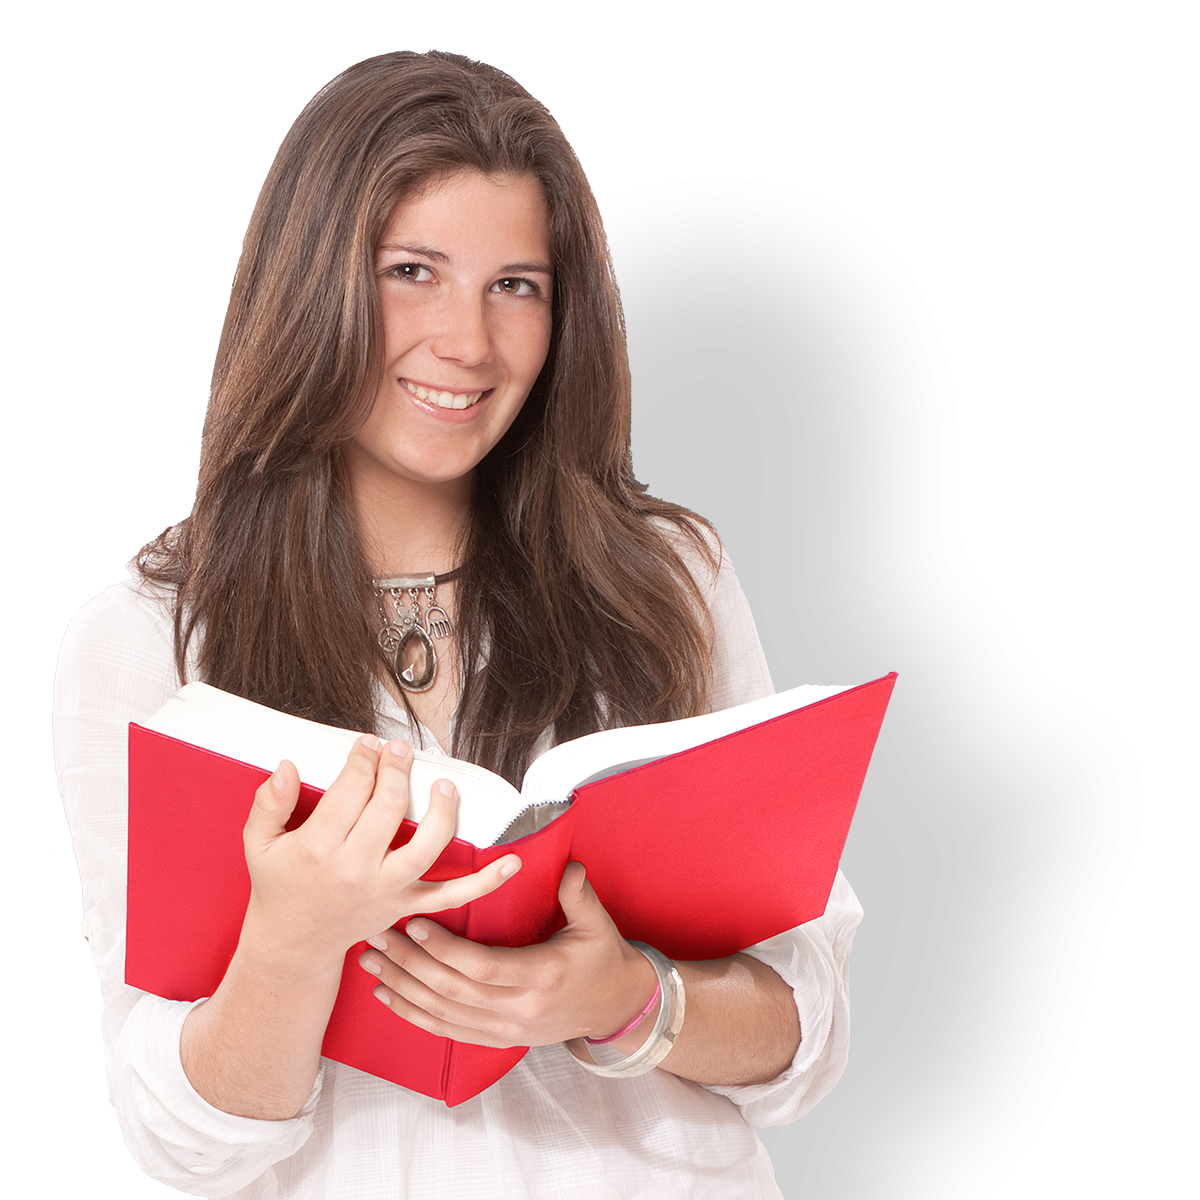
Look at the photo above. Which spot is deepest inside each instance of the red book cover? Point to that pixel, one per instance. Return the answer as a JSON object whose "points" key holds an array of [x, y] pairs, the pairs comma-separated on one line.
{"points": [[700, 853]]}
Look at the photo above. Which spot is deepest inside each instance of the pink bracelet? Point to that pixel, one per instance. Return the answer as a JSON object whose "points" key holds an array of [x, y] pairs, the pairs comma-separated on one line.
{"points": [[612, 1037]]}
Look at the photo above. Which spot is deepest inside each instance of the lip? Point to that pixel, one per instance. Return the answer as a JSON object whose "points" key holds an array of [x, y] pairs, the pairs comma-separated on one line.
{"points": [[425, 405]]}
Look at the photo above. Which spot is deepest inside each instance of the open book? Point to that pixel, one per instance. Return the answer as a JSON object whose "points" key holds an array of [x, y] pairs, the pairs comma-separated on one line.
{"points": [[700, 836]]}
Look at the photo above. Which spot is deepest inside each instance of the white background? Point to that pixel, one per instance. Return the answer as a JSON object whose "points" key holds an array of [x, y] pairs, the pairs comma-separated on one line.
{"points": [[911, 292]]}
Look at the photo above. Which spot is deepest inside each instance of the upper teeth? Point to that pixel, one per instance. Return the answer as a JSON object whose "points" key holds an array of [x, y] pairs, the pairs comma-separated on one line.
{"points": [[442, 399]]}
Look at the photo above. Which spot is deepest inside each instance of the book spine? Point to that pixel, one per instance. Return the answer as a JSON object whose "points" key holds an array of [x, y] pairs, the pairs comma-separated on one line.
{"points": [[450, 1060], [522, 911]]}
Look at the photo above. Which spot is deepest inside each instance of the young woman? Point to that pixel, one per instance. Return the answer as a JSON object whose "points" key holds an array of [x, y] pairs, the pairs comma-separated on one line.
{"points": [[416, 516]]}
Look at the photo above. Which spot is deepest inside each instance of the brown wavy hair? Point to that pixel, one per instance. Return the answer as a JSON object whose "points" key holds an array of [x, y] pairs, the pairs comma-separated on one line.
{"points": [[575, 609]]}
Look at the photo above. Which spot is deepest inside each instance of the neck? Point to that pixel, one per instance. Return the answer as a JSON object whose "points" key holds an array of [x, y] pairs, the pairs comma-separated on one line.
{"points": [[410, 528]]}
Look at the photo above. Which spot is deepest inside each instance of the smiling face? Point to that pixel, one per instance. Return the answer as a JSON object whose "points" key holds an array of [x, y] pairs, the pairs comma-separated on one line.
{"points": [[464, 277]]}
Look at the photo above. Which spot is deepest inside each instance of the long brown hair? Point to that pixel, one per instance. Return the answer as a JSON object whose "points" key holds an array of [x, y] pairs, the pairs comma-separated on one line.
{"points": [[575, 609]]}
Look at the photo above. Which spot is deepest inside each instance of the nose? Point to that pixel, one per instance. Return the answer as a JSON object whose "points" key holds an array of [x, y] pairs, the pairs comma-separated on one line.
{"points": [[464, 336]]}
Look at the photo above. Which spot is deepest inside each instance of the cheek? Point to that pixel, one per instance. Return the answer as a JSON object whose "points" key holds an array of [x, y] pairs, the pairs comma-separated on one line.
{"points": [[404, 316], [535, 348]]}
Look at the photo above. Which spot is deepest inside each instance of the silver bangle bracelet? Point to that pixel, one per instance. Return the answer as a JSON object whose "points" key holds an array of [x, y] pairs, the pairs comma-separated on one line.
{"points": [[662, 1037]]}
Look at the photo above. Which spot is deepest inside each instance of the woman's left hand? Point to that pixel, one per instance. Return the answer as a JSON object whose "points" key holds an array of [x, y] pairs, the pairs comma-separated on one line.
{"points": [[585, 981]]}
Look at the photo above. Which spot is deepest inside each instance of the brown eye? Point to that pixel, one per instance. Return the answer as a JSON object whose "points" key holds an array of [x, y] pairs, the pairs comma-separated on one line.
{"points": [[513, 285], [411, 272]]}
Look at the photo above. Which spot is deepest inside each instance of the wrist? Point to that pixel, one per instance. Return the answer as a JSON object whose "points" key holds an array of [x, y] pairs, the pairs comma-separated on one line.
{"points": [[272, 950], [660, 1039], [633, 1040], [651, 1006], [642, 999]]}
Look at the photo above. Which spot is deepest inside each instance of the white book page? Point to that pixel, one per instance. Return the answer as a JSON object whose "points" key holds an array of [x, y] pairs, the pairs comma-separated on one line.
{"points": [[252, 733], [488, 805], [564, 767]]}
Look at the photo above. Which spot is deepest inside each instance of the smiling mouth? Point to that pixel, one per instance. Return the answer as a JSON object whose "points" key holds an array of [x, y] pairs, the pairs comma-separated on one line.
{"points": [[441, 399]]}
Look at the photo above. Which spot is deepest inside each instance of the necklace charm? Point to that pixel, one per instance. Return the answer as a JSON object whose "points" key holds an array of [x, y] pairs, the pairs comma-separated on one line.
{"points": [[437, 619], [415, 662], [405, 637]]}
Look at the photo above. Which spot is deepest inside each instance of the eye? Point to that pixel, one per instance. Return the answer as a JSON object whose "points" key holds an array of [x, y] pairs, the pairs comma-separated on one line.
{"points": [[514, 285], [411, 272]]}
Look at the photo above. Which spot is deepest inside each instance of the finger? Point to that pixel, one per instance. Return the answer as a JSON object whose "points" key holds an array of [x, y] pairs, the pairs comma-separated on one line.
{"points": [[434, 830], [381, 817], [274, 803], [441, 998], [347, 795], [454, 893], [436, 952], [414, 1014], [579, 902], [406, 966]]}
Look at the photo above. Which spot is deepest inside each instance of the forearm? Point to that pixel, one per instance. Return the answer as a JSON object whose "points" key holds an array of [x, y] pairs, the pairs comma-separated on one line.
{"points": [[254, 1048], [740, 1027]]}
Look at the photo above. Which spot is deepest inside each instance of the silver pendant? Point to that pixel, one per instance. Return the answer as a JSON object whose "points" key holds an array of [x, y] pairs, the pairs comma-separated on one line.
{"points": [[437, 621], [407, 639], [415, 661], [390, 637]]}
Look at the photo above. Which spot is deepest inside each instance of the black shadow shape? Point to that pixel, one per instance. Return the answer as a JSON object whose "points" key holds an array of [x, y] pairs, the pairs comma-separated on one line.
{"points": [[790, 384]]}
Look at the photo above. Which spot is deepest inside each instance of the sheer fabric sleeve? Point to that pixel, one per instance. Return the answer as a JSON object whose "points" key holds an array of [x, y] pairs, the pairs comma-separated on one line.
{"points": [[116, 666], [813, 959]]}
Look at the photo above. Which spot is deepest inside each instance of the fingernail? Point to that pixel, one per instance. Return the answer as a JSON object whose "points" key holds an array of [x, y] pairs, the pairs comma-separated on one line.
{"points": [[378, 941], [398, 748], [445, 787], [276, 780], [369, 964], [380, 993], [511, 867], [370, 741], [418, 932]]}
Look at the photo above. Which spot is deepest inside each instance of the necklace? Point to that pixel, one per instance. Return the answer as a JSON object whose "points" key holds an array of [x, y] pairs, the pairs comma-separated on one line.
{"points": [[407, 635]]}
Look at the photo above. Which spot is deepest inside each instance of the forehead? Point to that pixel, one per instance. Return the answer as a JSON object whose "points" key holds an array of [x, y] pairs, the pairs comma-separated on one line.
{"points": [[475, 214]]}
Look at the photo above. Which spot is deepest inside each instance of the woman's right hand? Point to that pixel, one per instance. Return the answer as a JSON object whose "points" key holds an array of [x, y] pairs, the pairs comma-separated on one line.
{"points": [[334, 880]]}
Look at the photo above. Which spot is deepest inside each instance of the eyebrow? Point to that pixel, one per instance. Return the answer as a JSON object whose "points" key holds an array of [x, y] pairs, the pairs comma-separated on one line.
{"points": [[421, 251], [439, 257]]}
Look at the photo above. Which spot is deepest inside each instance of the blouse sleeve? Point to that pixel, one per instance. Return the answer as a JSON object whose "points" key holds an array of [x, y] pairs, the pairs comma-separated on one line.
{"points": [[116, 665], [814, 958]]}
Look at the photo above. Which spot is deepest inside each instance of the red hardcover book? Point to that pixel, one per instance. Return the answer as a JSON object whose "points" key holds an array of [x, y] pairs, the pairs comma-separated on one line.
{"points": [[701, 853]]}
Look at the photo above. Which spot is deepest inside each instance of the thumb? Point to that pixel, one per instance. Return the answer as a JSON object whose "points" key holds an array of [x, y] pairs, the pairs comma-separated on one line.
{"points": [[274, 803], [579, 901]]}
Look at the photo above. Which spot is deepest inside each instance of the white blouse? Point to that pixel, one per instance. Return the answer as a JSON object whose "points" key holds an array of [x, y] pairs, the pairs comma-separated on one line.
{"points": [[547, 1129]]}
